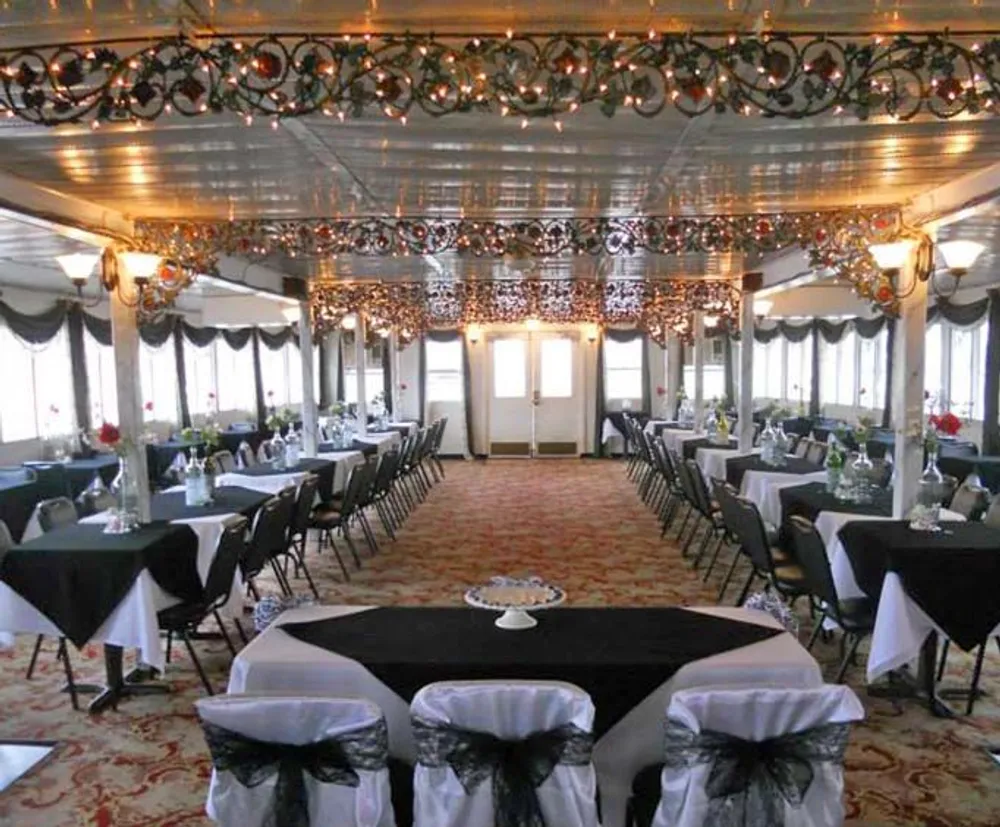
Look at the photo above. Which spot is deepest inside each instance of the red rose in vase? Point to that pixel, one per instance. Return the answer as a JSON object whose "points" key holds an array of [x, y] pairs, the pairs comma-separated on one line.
{"points": [[109, 435], [947, 424]]}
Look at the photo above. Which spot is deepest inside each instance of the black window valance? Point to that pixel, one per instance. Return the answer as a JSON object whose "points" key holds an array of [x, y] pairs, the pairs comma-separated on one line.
{"points": [[237, 338], [35, 328], [962, 315], [199, 336], [277, 340]]}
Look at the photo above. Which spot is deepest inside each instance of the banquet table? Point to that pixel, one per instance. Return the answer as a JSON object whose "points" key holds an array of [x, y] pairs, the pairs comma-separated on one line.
{"points": [[161, 455], [925, 583], [690, 447], [71, 477], [674, 440], [712, 461], [345, 461], [91, 587], [384, 441], [404, 429], [987, 468], [271, 480], [737, 467], [655, 427], [385, 655]]}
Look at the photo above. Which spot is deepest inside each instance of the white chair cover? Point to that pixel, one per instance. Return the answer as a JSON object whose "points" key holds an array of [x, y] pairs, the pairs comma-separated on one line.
{"points": [[296, 720], [757, 715], [510, 711]]}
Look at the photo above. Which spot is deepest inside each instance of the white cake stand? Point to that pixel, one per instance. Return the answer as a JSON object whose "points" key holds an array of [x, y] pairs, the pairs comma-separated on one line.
{"points": [[515, 617]]}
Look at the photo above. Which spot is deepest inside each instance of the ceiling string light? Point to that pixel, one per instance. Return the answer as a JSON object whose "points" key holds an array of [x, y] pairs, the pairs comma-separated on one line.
{"points": [[520, 76]]}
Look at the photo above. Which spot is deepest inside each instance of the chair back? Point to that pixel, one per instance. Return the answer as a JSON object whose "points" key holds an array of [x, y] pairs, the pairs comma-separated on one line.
{"points": [[698, 723], [6, 540], [703, 500], [224, 461], [246, 454], [94, 501], [279, 721], [268, 536], [816, 453], [386, 472], [802, 447], [286, 496], [229, 551], [969, 500], [810, 552], [749, 528], [56, 513], [303, 506], [510, 711], [441, 425], [353, 489], [992, 515]]}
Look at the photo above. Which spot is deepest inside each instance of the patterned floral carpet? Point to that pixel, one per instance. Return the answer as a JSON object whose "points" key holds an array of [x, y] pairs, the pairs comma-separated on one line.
{"points": [[578, 523]]}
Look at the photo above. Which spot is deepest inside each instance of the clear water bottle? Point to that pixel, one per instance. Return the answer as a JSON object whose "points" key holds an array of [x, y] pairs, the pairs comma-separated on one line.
{"points": [[192, 481], [293, 447], [278, 450], [767, 443]]}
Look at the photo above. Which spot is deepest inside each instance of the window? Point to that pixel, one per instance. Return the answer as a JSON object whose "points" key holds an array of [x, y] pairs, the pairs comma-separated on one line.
{"points": [[623, 369], [933, 360], [798, 377], [293, 364], [714, 373], [768, 369], [38, 401], [101, 381], [510, 379], [871, 371], [556, 368], [444, 371], [838, 371], [234, 369], [199, 377], [373, 368], [158, 380]]}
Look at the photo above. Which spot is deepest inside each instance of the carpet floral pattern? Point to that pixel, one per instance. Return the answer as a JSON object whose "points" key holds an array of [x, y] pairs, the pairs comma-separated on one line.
{"points": [[578, 523]]}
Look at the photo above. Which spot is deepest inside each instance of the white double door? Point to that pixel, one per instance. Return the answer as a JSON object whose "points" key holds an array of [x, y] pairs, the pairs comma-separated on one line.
{"points": [[536, 394]]}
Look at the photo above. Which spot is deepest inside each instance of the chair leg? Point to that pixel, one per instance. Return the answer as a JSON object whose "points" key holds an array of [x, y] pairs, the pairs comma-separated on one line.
{"points": [[746, 588], [70, 682], [815, 632], [350, 545], [977, 671], [944, 661], [170, 645], [34, 657], [225, 634], [729, 575], [855, 642], [719, 543], [197, 663], [239, 630], [329, 536]]}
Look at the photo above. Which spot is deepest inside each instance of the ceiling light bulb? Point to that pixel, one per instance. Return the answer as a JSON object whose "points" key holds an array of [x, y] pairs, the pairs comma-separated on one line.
{"points": [[710, 321], [891, 256], [762, 307], [474, 332], [141, 266], [959, 256], [349, 322], [78, 266]]}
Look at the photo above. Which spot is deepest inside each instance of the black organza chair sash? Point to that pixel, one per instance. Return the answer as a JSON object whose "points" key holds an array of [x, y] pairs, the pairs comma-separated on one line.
{"points": [[332, 761], [750, 782], [517, 767]]}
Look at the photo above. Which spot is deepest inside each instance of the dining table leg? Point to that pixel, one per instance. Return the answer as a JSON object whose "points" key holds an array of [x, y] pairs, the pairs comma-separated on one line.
{"points": [[118, 685]]}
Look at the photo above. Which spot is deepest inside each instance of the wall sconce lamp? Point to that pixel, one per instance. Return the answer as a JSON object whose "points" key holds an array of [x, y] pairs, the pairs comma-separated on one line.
{"points": [[891, 257], [142, 267], [474, 333], [960, 255]]}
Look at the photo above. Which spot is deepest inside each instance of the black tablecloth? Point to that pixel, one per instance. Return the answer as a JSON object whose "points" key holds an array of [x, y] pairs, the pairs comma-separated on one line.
{"points": [[690, 446], [369, 449], [618, 656], [70, 479], [738, 466], [660, 427], [227, 499], [160, 455], [810, 499], [322, 468], [77, 575], [987, 467], [17, 500], [402, 430], [953, 575]]}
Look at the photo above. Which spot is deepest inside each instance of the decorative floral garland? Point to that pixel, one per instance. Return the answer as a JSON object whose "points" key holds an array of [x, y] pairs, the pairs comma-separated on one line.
{"points": [[661, 308], [527, 76]]}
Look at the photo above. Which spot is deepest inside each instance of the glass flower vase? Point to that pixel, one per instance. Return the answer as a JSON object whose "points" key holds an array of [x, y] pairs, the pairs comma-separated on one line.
{"points": [[125, 517], [863, 476], [931, 492]]}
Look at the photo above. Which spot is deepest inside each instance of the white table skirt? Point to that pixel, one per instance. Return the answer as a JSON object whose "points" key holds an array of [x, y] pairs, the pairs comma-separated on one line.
{"points": [[384, 442], [675, 439], [267, 484], [901, 626], [345, 460], [764, 487], [609, 431], [276, 662], [712, 461], [133, 623]]}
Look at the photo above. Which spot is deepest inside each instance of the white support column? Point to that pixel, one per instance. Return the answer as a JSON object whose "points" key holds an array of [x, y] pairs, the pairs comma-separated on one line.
{"points": [[908, 394], [125, 341], [360, 332], [310, 413], [675, 375], [745, 407], [699, 373], [393, 345]]}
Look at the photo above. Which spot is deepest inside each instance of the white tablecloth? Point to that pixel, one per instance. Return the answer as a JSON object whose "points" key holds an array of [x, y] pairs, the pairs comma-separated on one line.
{"points": [[901, 626], [712, 461], [276, 662], [763, 487], [267, 484], [609, 431], [384, 442], [345, 460], [676, 439], [411, 427], [133, 623]]}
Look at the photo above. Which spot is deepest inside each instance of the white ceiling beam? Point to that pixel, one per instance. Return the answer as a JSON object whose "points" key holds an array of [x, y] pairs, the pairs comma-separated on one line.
{"points": [[786, 270], [954, 201], [75, 218]]}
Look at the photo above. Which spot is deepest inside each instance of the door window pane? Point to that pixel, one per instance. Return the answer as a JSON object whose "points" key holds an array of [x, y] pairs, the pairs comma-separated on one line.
{"points": [[556, 368], [509, 369], [101, 381], [236, 379], [623, 369], [158, 380], [962, 370], [444, 371], [38, 397], [199, 378], [933, 384]]}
